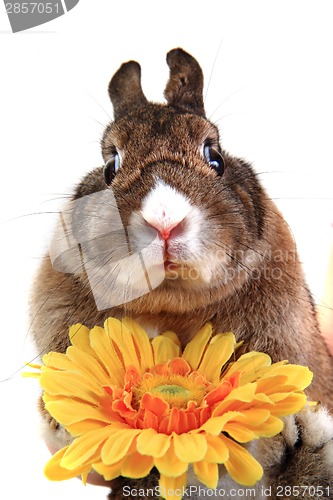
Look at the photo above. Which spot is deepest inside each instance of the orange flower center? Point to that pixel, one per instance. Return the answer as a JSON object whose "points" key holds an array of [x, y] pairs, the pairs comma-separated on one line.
{"points": [[168, 397]]}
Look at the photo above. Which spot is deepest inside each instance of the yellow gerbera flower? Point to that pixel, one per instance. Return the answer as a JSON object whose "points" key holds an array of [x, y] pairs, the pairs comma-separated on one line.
{"points": [[132, 403]]}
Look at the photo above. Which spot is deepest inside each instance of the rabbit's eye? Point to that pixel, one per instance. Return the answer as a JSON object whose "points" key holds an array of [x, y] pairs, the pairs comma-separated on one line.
{"points": [[215, 159], [111, 168]]}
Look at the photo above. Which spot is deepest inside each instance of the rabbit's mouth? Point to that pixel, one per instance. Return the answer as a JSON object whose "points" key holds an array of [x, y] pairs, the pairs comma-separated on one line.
{"points": [[170, 265]]}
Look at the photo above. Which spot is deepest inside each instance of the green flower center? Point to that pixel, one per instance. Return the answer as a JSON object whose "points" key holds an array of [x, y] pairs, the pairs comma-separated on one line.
{"points": [[174, 389], [171, 390]]}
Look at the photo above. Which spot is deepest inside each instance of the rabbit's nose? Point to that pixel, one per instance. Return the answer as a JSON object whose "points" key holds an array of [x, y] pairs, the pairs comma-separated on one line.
{"points": [[166, 228], [166, 209]]}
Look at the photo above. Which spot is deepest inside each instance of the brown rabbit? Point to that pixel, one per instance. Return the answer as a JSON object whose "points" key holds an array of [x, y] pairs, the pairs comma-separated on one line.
{"points": [[175, 232]]}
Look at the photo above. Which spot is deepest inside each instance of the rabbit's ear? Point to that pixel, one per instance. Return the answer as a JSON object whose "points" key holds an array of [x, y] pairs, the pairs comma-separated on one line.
{"points": [[125, 89], [185, 85]]}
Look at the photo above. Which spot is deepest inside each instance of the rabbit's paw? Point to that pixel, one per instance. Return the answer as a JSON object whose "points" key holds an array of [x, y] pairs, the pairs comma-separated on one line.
{"points": [[298, 463]]}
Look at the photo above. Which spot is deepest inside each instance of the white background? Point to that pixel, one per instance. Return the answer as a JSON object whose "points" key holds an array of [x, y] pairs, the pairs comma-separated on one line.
{"points": [[269, 81]]}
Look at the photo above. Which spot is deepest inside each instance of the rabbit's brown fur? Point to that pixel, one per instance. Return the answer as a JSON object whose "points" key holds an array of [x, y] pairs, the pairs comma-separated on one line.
{"points": [[266, 304]]}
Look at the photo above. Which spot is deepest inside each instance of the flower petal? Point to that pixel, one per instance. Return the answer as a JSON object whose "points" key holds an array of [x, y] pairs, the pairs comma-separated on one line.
{"points": [[80, 337], [215, 425], [83, 449], [236, 399], [88, 364], [164, 349], [190, 447], [253, 416], [141, 342], [136, 465], [54, 472], [172, 488], [289, 404], [178, 421], [178, 366], [195, 348], [35, 366], [298, 376], [117, 445], [108, 471], [155, 404], [207, 473], [80, 428], [108, 356], [57, 361], [30, 375], [219, 393], [150, 421], [120, 334], [217, 450], [218, 352], [244, 428], [241, 465], [150, 442], [71, 384], [171, 335], [277, 383], [169, 464], [270, 428], [250, 365], [239, 432], [69, 411]]}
